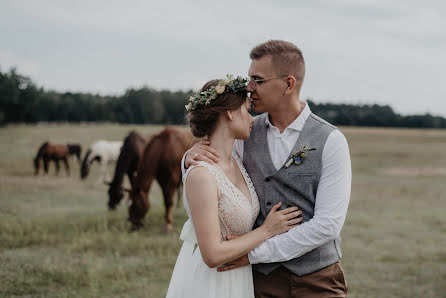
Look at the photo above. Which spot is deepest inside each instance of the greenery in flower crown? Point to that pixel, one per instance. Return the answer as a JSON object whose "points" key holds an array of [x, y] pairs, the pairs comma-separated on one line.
{"points": [[205, 97]]}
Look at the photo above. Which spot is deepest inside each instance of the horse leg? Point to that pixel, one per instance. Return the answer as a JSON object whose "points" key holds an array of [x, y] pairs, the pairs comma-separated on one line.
{"points": [[107, 171], [67, 166], [104, 175], [168, 192], [131, 177], [179, 196], [56, 161], [45, 165]]}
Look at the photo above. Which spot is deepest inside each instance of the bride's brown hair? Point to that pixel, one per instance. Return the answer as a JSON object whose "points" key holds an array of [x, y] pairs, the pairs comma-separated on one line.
{"points": [[203, 119]]}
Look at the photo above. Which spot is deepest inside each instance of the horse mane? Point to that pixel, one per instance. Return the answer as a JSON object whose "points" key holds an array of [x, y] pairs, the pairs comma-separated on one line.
{"points": [[130, 153], [41, 150], [85, 164]]}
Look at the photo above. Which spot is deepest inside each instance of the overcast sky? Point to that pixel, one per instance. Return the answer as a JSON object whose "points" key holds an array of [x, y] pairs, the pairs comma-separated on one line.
{"points": [[356, 51]]}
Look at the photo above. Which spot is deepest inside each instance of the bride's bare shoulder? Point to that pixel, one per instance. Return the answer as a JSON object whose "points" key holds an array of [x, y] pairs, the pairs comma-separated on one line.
{"points": [[201, 179]]}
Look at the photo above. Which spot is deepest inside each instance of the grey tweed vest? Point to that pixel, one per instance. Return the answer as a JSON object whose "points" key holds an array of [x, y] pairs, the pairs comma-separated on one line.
{"points": [[293, 186]]}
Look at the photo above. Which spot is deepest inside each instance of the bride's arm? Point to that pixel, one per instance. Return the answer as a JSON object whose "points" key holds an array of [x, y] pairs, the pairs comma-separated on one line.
{"points": [[202, 196]]}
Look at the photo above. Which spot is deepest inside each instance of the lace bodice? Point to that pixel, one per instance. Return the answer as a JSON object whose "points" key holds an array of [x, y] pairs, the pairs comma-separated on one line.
{"points": [[236, 212]]}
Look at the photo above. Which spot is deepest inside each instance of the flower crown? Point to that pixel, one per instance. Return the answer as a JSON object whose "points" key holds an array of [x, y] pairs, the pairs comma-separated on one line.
{"points": [[205, 97]]}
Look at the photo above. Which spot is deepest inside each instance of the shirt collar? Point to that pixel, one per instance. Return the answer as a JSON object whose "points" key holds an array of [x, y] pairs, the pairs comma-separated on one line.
{"points": [[299, 122]]}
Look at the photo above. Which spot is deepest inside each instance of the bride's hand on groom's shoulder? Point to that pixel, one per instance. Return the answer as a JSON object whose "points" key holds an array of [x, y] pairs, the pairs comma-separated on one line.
{"points": [[201, 151]]}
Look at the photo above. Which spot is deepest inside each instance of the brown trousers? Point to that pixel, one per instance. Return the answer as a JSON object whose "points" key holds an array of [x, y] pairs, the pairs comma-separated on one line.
{"points": [[327, 282]]}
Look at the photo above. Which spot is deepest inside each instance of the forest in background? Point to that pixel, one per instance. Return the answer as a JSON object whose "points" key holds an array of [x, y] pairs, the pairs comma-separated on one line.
{"points": [[22, 101]]}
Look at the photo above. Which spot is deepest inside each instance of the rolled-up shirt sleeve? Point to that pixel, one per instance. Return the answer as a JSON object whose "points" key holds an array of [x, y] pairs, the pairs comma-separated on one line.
{"points": [[332, 199]]}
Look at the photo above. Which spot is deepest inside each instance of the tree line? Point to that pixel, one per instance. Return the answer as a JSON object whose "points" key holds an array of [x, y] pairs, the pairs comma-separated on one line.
{"points": [[21, 101]]}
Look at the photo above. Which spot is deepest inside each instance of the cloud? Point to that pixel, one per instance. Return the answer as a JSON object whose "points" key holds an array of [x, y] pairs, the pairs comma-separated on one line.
{"points": [[355, 50], [179, 20], [24, 66]]}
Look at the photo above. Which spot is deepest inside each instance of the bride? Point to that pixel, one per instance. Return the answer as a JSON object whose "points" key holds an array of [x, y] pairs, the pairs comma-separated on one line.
{"points": [[220, 200]]}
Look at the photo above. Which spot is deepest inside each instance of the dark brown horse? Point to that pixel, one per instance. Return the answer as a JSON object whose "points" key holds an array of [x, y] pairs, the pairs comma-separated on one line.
{"points": [[56, 152], [76, 150], [161, 161], [131, 152]]}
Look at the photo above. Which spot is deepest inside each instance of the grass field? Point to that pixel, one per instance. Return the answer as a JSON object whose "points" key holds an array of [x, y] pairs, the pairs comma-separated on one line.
{"points": [[57, 238]]}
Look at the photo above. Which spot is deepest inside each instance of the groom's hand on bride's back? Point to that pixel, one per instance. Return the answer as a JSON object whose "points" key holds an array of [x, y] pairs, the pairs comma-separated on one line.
{"points": [[201, 151]]}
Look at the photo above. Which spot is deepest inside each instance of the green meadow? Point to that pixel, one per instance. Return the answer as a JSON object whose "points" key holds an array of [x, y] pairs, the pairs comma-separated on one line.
{"points": [[58, 239]]}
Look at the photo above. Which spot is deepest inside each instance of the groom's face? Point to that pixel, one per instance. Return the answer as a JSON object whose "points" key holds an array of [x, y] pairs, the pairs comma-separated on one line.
{"points": [[265, 95]]}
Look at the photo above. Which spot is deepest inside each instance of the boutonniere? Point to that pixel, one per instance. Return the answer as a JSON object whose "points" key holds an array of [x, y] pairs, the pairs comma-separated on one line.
{"points": [[299, 156]]}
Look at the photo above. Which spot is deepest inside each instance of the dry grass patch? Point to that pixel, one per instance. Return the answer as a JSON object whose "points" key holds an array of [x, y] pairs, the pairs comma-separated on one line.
{"points": [[57, 238], [415, 171]]}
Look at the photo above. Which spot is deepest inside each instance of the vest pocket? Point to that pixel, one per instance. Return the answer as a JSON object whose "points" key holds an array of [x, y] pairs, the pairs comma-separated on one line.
{"points": [[302, 174]]}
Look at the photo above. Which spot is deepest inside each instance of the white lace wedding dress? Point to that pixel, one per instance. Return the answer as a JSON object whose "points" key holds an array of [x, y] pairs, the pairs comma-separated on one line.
{"points": [[191, 277]]}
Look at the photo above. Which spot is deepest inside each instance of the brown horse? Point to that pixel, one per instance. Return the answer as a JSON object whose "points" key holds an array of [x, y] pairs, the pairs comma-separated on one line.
{"points": [[161, 161], [131, 152], [55, 152]]}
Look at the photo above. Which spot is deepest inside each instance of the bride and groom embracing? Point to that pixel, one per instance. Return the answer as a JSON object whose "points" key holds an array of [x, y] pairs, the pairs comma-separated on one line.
{"points": [[271, 191]]}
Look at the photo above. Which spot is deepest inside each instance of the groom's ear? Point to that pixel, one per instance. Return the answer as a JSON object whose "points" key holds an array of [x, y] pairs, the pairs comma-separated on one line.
{"points": [[291, 84]]}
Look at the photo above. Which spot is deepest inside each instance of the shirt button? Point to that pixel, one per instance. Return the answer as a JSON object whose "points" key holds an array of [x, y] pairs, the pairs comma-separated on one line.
{"points": [[267, 179], [268, 203]]}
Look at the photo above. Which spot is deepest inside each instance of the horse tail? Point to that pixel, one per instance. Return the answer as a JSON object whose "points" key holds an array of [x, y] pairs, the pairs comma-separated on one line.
{"points": [[85, 165]]}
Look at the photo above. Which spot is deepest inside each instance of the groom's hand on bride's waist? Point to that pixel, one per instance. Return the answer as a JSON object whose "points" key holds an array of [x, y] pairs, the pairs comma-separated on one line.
{"points": [[237, 263], [201, 151]]}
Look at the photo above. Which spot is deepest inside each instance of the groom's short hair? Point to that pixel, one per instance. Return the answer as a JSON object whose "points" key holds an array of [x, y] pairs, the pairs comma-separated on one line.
{"points": [[287, 58]]}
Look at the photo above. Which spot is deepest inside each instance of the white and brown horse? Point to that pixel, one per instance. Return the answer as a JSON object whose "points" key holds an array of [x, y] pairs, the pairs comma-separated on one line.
{"points": [[104, 152]]}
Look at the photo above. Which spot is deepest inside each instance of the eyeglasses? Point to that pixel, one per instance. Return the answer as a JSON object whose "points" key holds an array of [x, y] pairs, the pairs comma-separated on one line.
{"points": [[256, 82]]}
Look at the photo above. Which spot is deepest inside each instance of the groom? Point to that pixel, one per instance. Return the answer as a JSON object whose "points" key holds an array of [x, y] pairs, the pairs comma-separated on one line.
{"points": [[304, 262]]}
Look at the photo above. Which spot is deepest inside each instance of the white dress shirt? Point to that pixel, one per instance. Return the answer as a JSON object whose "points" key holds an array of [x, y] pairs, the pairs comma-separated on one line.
{"points": [[332, 198]]}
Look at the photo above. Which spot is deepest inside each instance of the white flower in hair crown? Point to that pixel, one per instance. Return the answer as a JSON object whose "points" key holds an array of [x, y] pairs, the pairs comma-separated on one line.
{"points": [[230, 84]]}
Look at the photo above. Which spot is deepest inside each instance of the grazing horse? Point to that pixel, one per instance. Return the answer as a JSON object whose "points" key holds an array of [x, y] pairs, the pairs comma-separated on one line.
{"points": [[131, 152], [104, 152], [161, 161], [55, 152], [76, 150]]}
